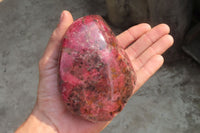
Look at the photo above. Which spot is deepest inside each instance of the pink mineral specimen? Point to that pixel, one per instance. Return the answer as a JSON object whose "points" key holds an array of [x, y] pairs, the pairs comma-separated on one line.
{"points": [[95, 76]]}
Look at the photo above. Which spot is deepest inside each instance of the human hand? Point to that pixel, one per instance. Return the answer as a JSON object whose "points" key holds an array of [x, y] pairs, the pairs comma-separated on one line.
{"points": [[144, 47]]}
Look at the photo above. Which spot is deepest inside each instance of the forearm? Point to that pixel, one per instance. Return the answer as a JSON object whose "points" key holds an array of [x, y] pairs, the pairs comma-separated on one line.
{"points": [[37, 123]]}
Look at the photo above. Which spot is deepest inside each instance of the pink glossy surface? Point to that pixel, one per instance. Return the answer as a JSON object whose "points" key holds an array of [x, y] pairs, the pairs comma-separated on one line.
{"points": [[96, 78]]}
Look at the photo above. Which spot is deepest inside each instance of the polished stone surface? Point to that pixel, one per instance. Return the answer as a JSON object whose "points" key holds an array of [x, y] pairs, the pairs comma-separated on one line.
{"points": [[96, 76]]}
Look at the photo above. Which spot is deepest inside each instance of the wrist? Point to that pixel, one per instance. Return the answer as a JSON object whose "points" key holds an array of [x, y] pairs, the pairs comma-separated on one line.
{"points": [[37, 122]]}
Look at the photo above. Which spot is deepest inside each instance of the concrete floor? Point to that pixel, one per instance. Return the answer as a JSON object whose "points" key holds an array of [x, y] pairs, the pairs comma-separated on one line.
{"points": [[168, 103]]}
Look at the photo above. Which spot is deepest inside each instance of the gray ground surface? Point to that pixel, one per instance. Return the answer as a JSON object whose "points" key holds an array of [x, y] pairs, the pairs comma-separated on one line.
{"points": [[168, 103]]}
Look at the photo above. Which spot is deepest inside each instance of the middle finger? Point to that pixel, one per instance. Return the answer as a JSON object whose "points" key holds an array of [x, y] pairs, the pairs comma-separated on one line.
{"points": [[138, 47]]}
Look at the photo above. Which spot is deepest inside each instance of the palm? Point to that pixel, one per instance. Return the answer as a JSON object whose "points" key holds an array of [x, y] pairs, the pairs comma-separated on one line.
{"points": [[143, 46]]}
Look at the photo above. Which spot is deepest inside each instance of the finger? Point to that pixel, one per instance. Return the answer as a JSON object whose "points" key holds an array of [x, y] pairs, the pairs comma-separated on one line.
{"points": [[157, 48], [52, 49], [132, 34], [148, 70], [147, 40]]}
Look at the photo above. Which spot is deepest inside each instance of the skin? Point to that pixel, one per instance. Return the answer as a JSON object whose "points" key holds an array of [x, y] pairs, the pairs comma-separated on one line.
{"points": [[143, 45]]}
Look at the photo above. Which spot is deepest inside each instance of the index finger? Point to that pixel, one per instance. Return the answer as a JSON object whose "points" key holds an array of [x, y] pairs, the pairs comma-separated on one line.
{"points": [[129, 36]]}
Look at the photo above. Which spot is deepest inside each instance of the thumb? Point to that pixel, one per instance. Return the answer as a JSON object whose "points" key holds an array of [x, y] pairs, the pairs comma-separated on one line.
{"points": [[51, 53]]}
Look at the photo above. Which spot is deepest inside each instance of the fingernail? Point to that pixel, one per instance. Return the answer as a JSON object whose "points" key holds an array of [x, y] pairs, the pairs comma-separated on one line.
{"points": [[61, 16]]}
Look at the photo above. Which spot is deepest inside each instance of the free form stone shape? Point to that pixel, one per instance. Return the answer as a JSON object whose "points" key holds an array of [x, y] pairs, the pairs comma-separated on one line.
{"points": [[95, 76]]}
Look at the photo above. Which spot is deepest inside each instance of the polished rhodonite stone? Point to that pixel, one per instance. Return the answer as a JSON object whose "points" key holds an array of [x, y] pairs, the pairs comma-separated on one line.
{"points": [[95, 75]]}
